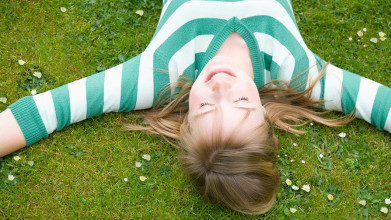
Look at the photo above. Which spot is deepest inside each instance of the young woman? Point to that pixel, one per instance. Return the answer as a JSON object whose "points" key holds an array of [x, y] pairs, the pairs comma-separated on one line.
{"points": [[218, 75]]}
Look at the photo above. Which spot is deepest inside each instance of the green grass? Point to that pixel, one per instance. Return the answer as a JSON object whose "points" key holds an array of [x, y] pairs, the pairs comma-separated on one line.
{"points": [[79, 172]]}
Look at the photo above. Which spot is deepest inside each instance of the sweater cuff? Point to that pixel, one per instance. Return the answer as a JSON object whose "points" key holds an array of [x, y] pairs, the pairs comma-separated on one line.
{"points": [[26, 114]]}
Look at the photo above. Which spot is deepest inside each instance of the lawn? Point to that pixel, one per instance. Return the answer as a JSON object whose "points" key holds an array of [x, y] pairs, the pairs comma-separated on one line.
{"points": [[80, 172]]}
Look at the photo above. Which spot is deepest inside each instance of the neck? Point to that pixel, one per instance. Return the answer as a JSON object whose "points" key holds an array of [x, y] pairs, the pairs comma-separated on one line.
{"points": [[235, 46]]}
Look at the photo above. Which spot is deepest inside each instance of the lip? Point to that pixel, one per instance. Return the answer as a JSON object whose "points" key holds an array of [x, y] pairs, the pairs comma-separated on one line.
{"points": [[219, 70]]}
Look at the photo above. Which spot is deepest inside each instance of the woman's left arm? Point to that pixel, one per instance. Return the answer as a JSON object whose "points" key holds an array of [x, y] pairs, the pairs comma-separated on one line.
{"points": [[11, 136]]}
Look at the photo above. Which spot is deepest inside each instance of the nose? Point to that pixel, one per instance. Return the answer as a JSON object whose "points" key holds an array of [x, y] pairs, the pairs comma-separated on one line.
{"points": [[221, 85]]}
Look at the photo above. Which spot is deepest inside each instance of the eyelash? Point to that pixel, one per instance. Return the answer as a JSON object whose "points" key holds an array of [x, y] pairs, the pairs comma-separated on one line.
{"points": [[239, 99]]}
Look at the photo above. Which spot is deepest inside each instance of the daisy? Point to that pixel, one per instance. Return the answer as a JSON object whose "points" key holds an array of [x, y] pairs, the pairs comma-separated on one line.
{"points": [[21, 62], [63, 9], [306, 188], [16, 158], [381, 34], [365, 45], [383, 38], [11, 177], [321, 155], [126, 179], [364, 29], [362, 202], [360, 34], [37, 74], [292, 161], [295, 144], [387, 201], [312, 124], [350, 38], [384, 210], [293, 210], [137, 164], [295, 187], [374, 40], [302, 161], [33, 92], [140, 12], [330, 197], [3, 100], [342, 134], [31, 163], [147, 157], [143, 178], [288, 182]]}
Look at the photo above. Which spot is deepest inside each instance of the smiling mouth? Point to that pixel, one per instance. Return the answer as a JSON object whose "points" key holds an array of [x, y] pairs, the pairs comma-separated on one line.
{"points": [[219, 72]]}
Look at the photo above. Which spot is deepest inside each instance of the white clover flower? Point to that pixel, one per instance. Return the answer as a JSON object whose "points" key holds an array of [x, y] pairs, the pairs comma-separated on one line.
{"points": [[143, 178], [140, 12], [11, 177], [295, 144], [387, 201], [33, 92], [137, 164], [126, 179], [384, 210], [374, 40], [362, 202], [293, 210], [350, 38], [21, 62], [364, 29], [302, 161], [295, 187], [16, 158], [381, 34], [37, 74], [306, 188], [342, 134], [31, 163], [147, 157], [360, 33], [383, 38], [321, 155], [288, 182], [330, 197], [3, 100], [63, 9]]}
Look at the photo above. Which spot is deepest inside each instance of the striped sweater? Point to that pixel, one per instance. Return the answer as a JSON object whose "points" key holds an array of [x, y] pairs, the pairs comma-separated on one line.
{"points": [[188, 35]]}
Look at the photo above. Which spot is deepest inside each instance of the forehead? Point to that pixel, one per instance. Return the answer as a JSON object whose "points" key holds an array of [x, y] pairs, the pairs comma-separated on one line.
{"points": [[227, 121]]}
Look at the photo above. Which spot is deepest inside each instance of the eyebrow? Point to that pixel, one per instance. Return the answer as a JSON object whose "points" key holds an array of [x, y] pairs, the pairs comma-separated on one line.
{"points": [[214, 109]]}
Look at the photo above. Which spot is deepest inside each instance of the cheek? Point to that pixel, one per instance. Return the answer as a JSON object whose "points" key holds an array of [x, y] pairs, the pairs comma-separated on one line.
{"points": [[251, 90], [195, 97]]}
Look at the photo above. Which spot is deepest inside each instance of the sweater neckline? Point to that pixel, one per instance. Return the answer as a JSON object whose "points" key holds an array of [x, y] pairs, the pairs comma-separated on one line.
{"points": [[234, 24]]}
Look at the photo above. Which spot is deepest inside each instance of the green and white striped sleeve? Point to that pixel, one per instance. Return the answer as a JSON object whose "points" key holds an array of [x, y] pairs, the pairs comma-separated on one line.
{"points": [[112, 90], [348, 92]]}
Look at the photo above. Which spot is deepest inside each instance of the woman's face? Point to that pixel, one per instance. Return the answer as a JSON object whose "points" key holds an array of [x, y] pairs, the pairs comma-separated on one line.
{"points": [[223, 84]]}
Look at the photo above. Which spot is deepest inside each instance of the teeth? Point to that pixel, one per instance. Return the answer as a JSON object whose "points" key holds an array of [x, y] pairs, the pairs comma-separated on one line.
{"points": [[220, 74]]}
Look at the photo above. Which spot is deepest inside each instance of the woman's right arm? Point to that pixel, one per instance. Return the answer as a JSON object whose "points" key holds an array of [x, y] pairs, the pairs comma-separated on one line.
{"points": [[11, 136]]}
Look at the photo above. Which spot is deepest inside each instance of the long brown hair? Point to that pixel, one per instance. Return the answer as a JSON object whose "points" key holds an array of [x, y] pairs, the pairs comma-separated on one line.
{"points": [[238, 172]]}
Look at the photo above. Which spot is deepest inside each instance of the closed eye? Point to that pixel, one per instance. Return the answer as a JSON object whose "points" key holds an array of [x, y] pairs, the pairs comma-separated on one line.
{"points": [[203, 104], [243, 98]]}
